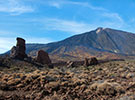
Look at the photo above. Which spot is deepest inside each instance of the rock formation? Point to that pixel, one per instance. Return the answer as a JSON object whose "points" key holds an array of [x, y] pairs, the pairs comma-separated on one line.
{"points": [[18, 51], [91, 61], [43, 58]]}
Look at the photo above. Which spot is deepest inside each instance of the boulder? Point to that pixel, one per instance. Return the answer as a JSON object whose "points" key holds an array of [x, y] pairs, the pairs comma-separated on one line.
{"points": [[43, 58], [70, 64], [91, 61], [86, 63], [18, 51]]}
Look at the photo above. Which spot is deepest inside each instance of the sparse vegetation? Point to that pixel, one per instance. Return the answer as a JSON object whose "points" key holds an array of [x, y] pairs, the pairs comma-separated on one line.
{"points": [[108, 81]]}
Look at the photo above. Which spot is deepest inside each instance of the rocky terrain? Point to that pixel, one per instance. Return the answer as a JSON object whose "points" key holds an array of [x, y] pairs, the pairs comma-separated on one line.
{"points": [[20, 80], [24, 77]]}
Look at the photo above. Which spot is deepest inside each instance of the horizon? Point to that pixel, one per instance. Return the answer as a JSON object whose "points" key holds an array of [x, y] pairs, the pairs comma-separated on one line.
{"points": [[55, 20], [64, 38]]}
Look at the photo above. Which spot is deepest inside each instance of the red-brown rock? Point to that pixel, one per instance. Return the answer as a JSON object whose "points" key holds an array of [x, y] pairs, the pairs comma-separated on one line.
{"points": [[43, 58], [86, 63], [18, 51], [91, 61]]}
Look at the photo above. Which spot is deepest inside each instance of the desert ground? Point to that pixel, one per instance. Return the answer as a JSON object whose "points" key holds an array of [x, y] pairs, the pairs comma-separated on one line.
{"points": [[20, 80]]}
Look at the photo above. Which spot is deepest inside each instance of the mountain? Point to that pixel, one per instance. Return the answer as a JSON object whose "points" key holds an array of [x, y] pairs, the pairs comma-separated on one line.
{"points": [[102, 43]]}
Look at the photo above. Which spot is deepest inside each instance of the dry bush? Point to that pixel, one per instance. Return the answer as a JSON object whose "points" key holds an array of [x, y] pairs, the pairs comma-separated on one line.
{"points": [[52, 86], [107, 88], [53, 97]]}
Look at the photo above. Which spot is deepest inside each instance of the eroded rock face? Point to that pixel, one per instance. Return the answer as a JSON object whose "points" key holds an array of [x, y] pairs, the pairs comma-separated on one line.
{"points": [[91, 61], [43, 58], [18, 51], [13, 52]]}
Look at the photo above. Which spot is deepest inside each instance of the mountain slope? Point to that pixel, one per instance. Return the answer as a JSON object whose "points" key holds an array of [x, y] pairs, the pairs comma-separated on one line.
{"points": [[102, 43]]}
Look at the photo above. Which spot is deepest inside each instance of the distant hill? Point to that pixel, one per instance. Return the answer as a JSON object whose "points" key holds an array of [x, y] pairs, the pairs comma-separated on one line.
{"points": [[102, 43]]}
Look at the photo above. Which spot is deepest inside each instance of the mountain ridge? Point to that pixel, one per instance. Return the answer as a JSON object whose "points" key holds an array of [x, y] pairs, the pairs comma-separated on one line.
{"points": [[101, 42]]}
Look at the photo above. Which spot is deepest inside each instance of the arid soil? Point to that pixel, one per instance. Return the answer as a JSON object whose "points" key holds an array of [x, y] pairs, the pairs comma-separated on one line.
{"points": [[113, 80]]}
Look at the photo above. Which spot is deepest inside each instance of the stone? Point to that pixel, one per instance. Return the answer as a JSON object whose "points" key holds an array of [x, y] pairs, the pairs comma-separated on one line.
{"points": [[70, 64], [18, 51], [91, 61], [28, 59], [131, 86], [43, 58], [13, 52], [86, 62]]}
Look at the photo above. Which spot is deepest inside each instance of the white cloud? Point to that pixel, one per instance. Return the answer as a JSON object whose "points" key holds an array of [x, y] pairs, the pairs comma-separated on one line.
{"points": [[8, 39], [38, 40], [113, 16], [75, 27], [55, 4], [108, 18], [14, 7], [113, 20], [69, 26], [7, 33], [60, 3], [7, 43], [132, 20], [85, 4]]}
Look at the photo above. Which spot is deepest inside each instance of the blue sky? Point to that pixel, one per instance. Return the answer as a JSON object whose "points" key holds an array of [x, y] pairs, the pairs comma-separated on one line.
{"points": [[44, 21]]}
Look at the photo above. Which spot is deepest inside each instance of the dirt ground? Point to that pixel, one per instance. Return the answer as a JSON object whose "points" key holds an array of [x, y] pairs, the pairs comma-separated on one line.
{"points": [[113, 80]]}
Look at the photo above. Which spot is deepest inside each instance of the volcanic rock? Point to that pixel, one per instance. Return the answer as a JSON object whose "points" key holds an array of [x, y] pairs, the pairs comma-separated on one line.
{"points": [[18, 51], [70, 64], [91, 61], [43, 58], [86, 62]]}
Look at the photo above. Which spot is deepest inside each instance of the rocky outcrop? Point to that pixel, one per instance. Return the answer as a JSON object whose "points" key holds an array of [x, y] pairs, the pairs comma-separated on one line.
{"points": [[91, 61], [43, 58], [18, 51]]}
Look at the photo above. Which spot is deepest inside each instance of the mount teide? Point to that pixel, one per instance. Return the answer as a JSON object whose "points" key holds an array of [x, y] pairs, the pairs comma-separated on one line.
{"points": [[102, 43]]}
